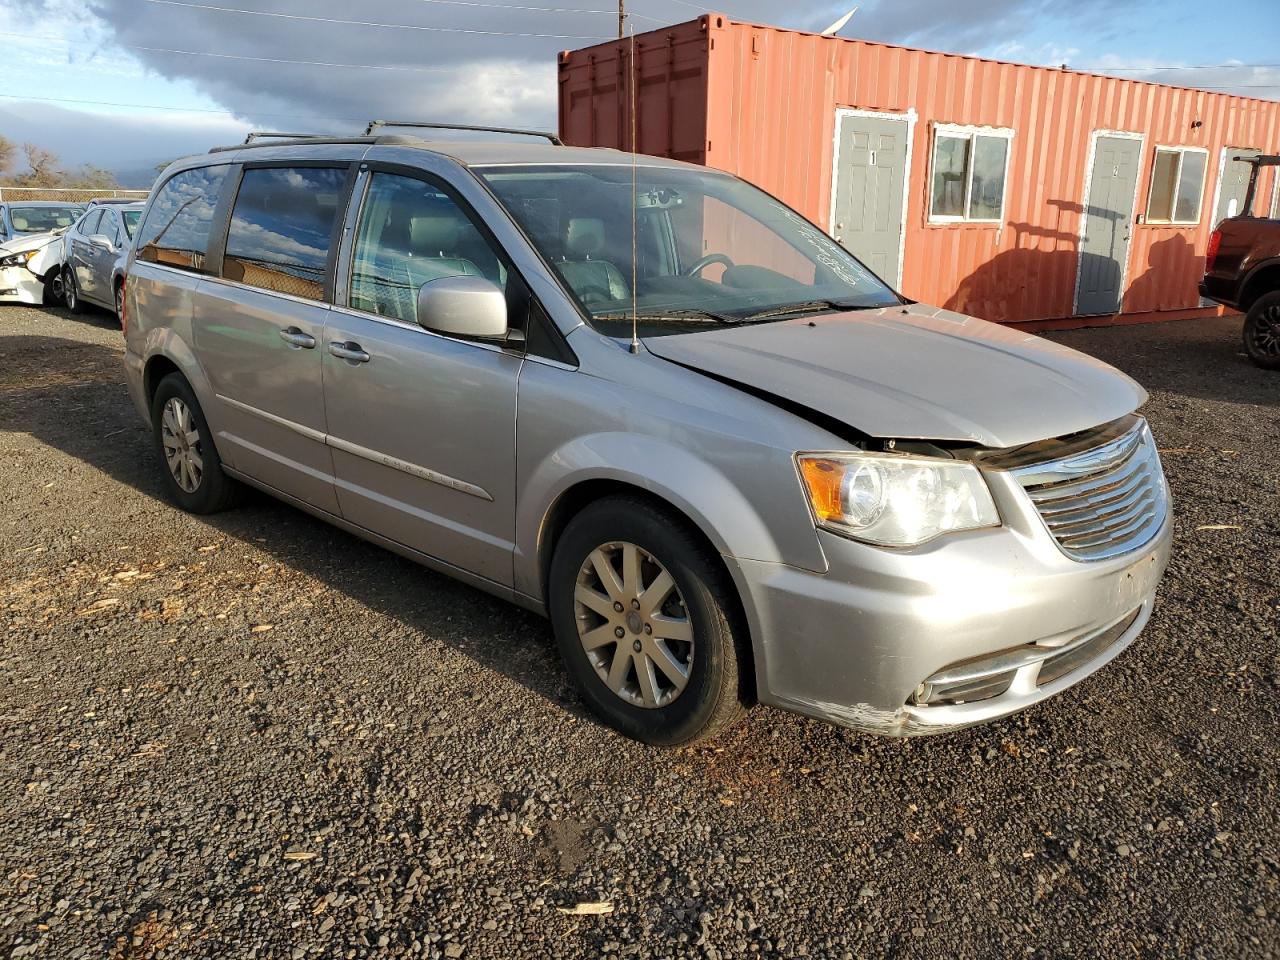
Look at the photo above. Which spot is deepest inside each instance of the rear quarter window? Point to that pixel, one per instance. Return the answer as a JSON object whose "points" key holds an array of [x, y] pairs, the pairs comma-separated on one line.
{"points": [[176, 231]]}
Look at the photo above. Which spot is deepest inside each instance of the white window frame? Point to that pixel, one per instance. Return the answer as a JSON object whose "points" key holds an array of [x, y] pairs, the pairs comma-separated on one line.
{"points": [[966, 132], [1181, 150]]}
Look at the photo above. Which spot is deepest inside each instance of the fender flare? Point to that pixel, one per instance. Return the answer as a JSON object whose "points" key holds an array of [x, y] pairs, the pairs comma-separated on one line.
{"points": [[701, 492]]}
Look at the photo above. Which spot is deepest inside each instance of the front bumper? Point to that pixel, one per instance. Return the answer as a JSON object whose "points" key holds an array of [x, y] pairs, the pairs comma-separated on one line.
{"points": [[20, 285], [860, 644]]}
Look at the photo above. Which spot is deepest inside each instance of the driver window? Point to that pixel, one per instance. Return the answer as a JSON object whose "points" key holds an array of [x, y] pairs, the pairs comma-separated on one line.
{"points": [[89, 225], [411, 232]]}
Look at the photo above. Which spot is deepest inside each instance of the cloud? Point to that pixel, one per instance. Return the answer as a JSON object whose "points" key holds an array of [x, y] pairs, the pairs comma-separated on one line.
{"points": [[507, 80]]}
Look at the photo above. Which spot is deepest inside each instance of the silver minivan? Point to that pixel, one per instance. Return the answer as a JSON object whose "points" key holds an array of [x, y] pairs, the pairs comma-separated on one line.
{"points": [[650, 401]]}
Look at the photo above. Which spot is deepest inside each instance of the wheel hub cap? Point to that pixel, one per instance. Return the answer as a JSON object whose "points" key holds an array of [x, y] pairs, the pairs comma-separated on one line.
{"points": [[181, 441], [633, 625]]}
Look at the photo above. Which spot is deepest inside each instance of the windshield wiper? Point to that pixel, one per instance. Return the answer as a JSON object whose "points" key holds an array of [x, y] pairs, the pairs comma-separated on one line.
{"points": [[690, 315], [808, 306]]}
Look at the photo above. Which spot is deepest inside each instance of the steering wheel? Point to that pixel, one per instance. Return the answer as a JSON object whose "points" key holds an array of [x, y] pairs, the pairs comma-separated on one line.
{"points": [[707, 261]]}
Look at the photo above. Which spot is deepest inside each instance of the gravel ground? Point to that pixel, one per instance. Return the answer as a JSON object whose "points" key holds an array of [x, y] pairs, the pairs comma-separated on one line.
{"points": [[256, 736]]}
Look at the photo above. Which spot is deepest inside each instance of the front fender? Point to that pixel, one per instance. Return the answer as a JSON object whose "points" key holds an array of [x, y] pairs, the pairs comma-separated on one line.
{"points": [[708, 496]]}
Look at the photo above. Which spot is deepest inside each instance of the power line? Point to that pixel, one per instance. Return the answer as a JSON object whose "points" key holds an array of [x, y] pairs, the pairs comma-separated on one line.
{"points": [[156, 106], [235, 56], [1199, 66], [374, 23]]}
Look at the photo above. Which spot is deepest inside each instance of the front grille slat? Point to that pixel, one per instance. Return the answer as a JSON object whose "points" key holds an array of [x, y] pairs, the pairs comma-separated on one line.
{"points": [[1103, 502], [1136, 484]]}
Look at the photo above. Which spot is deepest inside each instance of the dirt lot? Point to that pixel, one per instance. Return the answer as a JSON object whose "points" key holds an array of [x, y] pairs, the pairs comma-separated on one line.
{"points": [[256, 736]]}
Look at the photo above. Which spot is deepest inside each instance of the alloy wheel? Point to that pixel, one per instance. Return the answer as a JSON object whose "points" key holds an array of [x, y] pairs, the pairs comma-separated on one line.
{"points": [[181, 442], [69, 291], [634, 625], [119, 301], [1265, 335]]}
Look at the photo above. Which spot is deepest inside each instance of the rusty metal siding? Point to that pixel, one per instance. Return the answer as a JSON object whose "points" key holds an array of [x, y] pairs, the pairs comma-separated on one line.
{"points": [[764, 103], [671, 94]]}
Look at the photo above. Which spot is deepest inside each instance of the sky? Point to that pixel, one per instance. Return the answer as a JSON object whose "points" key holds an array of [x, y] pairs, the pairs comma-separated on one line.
{"points": [[129, 84]]}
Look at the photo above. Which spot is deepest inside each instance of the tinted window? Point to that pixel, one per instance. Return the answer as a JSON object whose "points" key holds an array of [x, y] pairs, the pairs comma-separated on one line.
{"points": [[281, 228], [411, 232], [131, 218], [108, 227], [88, 226], [176, 231]]}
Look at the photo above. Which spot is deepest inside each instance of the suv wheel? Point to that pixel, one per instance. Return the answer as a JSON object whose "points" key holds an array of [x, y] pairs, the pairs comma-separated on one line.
{"points": [[69, 292], [1262, 331], [119, 300], [643, 616], [192, 469]]}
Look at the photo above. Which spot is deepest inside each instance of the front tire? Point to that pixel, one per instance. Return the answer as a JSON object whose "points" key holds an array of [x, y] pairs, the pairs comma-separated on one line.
{"points": [[1262, 331], [70, 293], [192, 469], [644, 616], [54, 294]]}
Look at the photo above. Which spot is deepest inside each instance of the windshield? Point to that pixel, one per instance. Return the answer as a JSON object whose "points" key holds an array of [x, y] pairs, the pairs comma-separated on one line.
{"points": [[41, 219], [131, 218], [710, 248]]}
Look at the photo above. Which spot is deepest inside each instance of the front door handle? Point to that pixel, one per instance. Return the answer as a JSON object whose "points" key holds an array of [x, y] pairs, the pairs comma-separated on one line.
{"points": [[296, 338], [348, 350]]}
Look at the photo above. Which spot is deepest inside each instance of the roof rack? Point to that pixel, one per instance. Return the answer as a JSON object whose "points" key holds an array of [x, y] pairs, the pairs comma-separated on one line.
{"points": [[273, 135], [515, 131]]}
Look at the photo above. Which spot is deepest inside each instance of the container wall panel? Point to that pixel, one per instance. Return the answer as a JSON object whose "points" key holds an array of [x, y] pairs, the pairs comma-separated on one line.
{"points": [[764, 102]]}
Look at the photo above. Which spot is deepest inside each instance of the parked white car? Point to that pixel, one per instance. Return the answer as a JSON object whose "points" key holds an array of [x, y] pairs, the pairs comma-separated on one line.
{"points": [[31, 268]]}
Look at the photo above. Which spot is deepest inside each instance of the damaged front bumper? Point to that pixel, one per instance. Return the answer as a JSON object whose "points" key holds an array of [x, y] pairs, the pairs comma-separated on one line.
{"points": [[966, 629], [20, 285]]}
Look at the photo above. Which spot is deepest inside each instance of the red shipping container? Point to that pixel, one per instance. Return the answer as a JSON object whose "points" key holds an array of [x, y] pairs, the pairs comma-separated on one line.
{"points": [[963, 181]]}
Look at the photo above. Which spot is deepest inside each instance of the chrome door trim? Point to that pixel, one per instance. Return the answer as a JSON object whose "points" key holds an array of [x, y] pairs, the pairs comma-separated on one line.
{"points": [[413, 469], [364, 453], [308, 432]]}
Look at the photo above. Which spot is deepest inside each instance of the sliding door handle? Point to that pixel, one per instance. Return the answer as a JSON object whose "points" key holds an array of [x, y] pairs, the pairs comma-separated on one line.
{"points": [[296, 338], [348, 350]]}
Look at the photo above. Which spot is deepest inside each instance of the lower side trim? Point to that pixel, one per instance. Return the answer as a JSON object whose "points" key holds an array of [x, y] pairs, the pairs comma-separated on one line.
{"points": [[433, 563]]}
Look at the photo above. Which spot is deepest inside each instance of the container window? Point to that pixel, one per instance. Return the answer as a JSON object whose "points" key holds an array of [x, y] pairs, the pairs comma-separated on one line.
{"points": [[968, 175], [1177, 185]]}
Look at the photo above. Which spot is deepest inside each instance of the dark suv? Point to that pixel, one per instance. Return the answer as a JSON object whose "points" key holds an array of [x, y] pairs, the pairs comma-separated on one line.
{"points": [[1242, 270]]}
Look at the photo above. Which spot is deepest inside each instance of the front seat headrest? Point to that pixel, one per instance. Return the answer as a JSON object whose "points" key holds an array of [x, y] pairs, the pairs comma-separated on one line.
{"points": [[584, 238], [433, 235]]}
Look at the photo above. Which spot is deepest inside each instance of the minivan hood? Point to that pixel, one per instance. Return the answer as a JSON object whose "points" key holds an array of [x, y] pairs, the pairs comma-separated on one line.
{"points": [[915, 372]]}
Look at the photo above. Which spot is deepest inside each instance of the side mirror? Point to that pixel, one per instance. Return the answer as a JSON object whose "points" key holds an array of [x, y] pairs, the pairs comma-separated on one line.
{"points": [[463, 307], [101, 240]]}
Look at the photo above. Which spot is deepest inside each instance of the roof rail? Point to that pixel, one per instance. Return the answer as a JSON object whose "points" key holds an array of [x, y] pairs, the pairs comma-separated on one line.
{"points": [[273, 135], [374, 125]]}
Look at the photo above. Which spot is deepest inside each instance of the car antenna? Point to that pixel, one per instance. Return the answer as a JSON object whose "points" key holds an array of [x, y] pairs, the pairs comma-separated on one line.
{"points": [[635, 339]]}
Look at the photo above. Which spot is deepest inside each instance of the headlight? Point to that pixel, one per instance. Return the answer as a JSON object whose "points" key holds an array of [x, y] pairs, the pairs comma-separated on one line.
{"points": [[896, 501], [19, 259]]}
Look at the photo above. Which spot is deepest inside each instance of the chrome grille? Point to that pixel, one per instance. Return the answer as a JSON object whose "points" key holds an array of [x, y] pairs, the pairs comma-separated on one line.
{"points": [[1104, 501]]}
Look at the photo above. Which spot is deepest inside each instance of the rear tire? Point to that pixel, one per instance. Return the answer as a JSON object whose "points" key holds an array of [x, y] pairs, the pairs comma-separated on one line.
{"points": [[70, 294], [1262, 331], [665, 690], [192, 468]]}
